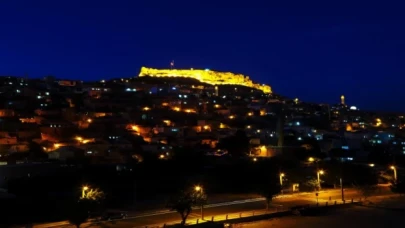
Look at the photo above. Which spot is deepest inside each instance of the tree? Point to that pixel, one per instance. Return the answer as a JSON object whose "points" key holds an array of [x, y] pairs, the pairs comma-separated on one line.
{"points": [[269, 191], [36, 152], [92, 199], [237, 145], [93, 195], [78, 214], [398, 187], [184, 201], [366, 190], [312, 184]]}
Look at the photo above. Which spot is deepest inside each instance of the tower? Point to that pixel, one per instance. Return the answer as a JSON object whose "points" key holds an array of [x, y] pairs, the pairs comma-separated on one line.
{"points": [[342, 100], [280, 128]]}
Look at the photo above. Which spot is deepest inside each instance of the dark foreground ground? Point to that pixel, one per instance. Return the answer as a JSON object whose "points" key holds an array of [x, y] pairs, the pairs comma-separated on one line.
{"points": [[358, 216]]}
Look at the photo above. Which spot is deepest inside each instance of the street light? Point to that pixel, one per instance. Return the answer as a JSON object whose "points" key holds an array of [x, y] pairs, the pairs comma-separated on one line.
{"points": [[199, 189], [84, 189], [311, 159], [254, 159], [320, 172], [395, 172], [281, 182], [371, 165]]}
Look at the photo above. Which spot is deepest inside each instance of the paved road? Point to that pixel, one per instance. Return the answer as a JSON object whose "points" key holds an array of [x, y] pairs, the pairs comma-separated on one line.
{"points": [[247, 206]]}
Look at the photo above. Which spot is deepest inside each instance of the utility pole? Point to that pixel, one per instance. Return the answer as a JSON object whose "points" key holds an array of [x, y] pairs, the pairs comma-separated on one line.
{"points": [[341, 181]]}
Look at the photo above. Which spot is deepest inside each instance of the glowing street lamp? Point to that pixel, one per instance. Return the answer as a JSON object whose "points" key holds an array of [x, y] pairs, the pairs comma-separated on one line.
{"points": [[311, 159], [281, 182], [319, 173], [371, 165], [395, 172], [84, 189], [199, 189]]}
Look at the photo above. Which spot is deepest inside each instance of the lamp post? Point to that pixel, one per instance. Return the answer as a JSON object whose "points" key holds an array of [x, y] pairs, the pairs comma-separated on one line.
{"points": [[281, 182], [319, 173], [84, 189], [395, 172], [199, 189]]}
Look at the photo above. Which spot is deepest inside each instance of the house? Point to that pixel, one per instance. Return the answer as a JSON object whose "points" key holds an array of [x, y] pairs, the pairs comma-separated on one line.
{"points": [[65, 153], [95, 148]]}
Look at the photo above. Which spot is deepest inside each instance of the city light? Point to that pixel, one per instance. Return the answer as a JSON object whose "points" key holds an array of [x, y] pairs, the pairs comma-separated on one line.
{"points": [[84, 189], [395, 172], [371, 165], [281, 182], [319, 173]]}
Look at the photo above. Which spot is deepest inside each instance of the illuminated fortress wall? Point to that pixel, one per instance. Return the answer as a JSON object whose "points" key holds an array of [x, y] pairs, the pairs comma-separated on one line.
{"points": [[206, 76]]}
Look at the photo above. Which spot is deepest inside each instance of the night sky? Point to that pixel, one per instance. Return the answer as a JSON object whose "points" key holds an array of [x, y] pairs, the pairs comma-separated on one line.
{"points": [[313, 50]]}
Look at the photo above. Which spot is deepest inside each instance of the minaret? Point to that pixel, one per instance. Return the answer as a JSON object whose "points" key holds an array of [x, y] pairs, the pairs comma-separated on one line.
{"points": [[280, 129], [342, 100]]}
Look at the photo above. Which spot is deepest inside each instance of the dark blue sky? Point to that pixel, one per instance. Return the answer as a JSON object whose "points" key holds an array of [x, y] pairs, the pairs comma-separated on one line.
{"points": [[313, 50]]}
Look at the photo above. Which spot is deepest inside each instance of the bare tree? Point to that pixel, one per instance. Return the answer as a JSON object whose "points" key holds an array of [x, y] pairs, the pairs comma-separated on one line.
{"points": [[366, 190], [78, 214], [312, 184], [269, 191], [184, 201], [93, 194]]}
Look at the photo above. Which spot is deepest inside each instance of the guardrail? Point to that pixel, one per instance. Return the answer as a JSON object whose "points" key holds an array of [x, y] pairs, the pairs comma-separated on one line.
{"points": [[215, 218], [239, 215]]}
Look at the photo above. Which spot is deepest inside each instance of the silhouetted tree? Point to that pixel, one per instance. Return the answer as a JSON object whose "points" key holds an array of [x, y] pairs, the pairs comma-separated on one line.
{"points": [[36, 152], [269, 190], [236, 145], [366, 190], [398, 187], [312, 184], [78, 214], [184, 201]]}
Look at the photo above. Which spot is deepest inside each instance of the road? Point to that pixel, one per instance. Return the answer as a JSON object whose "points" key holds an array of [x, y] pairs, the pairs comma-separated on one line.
{"points": [[245, 206]]}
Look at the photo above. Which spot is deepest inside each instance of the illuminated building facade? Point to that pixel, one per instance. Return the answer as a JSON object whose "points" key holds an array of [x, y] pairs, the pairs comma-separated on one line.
{"points": [[206, 76]]}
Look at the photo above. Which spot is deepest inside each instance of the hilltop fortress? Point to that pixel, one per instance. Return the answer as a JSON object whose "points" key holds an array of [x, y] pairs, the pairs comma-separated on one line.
{"points": [[206, 76]]}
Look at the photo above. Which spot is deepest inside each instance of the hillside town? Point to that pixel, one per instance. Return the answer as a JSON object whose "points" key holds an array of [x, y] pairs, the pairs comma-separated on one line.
{"points": [[125, 119]]}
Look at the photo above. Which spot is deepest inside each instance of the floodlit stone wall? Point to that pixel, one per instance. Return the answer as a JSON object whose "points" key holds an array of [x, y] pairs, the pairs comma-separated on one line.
{"points": [[206, 76]]}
